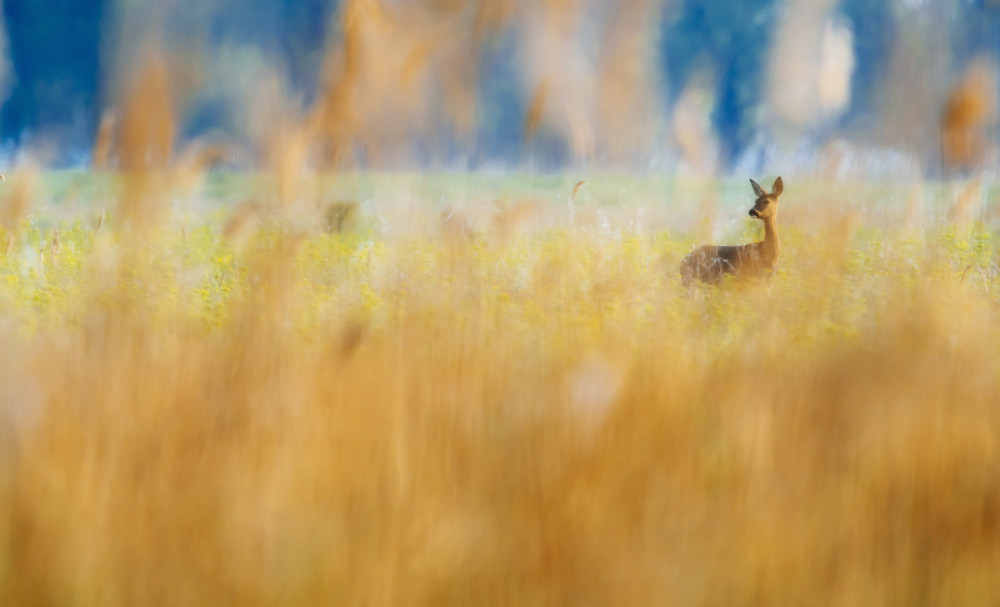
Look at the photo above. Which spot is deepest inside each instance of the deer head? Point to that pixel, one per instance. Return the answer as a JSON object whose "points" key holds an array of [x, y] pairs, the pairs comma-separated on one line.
{"points": [[766, 206]]}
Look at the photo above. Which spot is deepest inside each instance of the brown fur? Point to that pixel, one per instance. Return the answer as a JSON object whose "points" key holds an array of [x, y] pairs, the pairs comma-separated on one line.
{"points": [[711, 262]]}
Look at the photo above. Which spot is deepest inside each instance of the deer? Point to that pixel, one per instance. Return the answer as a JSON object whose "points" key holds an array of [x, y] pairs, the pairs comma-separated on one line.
{"points": [[710, 263]]}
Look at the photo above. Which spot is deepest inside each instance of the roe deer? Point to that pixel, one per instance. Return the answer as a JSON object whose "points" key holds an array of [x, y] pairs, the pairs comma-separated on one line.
{"points": [[710, 262]]}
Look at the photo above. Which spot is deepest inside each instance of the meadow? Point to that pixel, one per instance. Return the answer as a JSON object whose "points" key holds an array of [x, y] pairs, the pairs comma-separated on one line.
{"points": [[449, 389]]}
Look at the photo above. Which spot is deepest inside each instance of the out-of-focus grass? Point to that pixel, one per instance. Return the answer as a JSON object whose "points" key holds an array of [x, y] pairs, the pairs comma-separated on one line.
{"points": [[484, 392]]}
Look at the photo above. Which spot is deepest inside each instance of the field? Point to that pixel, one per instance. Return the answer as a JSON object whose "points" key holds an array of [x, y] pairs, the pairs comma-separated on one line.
{"points": [[412, 389]]}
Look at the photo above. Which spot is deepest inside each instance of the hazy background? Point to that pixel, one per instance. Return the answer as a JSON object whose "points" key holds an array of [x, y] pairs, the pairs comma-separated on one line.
{"points": [[902, 88]]}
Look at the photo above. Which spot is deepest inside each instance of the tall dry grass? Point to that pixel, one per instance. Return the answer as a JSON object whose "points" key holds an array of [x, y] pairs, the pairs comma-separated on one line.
{"points": [[418, 393], [538, 416]]}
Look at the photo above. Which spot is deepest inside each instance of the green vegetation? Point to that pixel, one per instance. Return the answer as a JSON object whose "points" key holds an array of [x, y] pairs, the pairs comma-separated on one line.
{"points": [[484, 391]]}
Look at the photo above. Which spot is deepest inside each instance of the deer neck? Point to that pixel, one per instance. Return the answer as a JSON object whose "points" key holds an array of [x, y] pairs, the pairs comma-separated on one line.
{"points": [[771, 244]]}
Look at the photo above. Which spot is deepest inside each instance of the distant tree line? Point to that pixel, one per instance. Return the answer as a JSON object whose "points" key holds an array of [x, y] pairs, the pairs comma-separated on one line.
{"points": [[58, 55], [59, 70]]}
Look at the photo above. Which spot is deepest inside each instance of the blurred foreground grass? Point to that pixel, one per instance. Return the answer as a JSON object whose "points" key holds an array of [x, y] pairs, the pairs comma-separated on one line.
{"points": [[485, 391]]}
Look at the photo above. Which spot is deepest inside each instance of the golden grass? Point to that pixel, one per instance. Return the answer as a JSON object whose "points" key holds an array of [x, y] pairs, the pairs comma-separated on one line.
{"points": [[390, 416]]}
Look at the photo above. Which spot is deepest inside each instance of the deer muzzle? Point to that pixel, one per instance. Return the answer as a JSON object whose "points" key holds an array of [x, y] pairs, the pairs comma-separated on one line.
{"points": [[754, 213]]}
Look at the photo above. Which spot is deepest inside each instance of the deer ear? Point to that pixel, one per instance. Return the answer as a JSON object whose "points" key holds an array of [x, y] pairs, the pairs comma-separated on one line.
{"points": [[777, 187], [759, 191]]}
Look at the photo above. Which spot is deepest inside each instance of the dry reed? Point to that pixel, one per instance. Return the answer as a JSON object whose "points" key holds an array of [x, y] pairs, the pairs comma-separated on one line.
{"points": [[494, 403], [536, 417]]}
